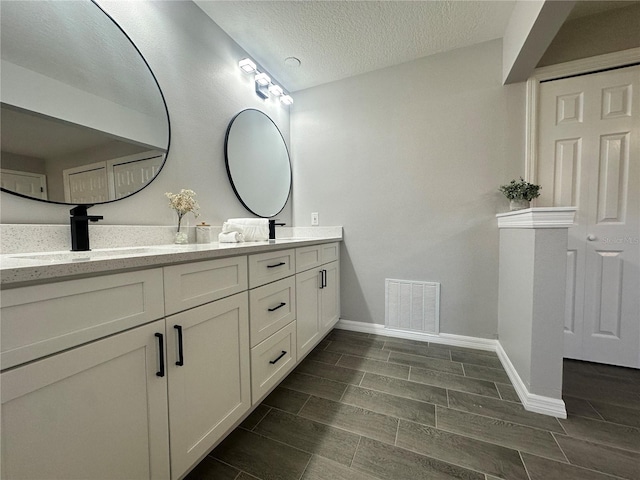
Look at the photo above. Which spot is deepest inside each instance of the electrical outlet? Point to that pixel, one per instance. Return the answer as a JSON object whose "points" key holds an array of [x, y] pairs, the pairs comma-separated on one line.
{"points": [[314, 219]]}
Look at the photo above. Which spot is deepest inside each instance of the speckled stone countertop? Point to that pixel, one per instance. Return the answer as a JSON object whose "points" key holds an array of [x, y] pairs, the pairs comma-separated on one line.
{"points": [[20, 269]]}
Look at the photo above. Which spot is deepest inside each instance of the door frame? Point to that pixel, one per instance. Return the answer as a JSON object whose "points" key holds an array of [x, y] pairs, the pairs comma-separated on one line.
{"points": [[554, 72]]}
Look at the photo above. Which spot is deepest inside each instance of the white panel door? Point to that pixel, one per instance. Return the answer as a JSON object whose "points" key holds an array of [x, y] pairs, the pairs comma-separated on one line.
{"points": [[89, 186], [589, 157], [25, 183], [131, 176]]}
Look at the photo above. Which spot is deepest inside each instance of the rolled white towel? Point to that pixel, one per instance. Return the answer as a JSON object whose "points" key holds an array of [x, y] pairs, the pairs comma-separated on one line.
{"points": [[230, 237], [256, 222], [232, 227], [253, 229]]}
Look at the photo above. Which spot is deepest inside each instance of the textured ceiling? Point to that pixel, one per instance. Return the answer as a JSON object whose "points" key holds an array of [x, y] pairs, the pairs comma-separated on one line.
{"points": [[339, 39]]}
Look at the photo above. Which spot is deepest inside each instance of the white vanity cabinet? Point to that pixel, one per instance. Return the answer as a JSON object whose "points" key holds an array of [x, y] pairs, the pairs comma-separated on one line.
{"points": [[98, 411], [317, 294], [272, 305]]}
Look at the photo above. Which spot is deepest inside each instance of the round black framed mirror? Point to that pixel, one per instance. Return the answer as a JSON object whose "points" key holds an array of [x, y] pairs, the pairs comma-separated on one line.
{"points": [[258, 163], [83, 118]]}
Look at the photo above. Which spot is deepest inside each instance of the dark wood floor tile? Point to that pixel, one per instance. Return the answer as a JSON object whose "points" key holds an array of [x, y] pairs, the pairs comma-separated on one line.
{"points": [[394, 463], [422, 350], [512, 412], [405, 388], [605, 433], [544, 469], [616, 414], [320, 387], [460, 450], [628, 374], [285, 399], [476, 351], [374, 366], [579, 406], [398, 340], [254, 417], [332, 372], [453, 382], [497, 375], [476, 359], [426, 362], [358, 350], [600, 394], [322, 345], [211, 469], [320, 468], [500, 432], [260, 456], [354, 419], [507, 392], [246, 476], [604, 459], [354, 338], [391, 405], [324, 356], [310, 436], [576, 381]]}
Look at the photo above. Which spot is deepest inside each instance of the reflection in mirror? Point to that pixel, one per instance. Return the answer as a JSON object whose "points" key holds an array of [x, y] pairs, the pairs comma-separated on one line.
{"points": [[258, 163], [83, 120]]}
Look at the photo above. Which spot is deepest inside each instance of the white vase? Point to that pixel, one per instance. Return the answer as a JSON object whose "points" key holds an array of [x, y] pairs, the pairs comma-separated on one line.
{"points": [[181, 238], [519, 204]]}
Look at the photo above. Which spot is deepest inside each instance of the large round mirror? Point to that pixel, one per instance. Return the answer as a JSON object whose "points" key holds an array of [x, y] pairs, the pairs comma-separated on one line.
{"points": [[83, 120], [258, 163]]}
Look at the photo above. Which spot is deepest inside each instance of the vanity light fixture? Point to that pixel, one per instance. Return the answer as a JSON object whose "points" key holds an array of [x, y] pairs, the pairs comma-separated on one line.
{"points": [[275, 90], [264, 86], [247, 65], [262, 79]]}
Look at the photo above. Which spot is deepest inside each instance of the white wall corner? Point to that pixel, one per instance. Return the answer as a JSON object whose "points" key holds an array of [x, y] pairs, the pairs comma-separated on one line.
{"points": [[538, 217], [531, 28], [530, 401]]}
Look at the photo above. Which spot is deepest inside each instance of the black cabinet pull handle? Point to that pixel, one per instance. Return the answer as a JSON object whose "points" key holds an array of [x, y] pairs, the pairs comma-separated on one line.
{"points": [[276, 308], [160, 337], [180, 361], [276, 265], [321, 279], [324, 278], [273, 362]]}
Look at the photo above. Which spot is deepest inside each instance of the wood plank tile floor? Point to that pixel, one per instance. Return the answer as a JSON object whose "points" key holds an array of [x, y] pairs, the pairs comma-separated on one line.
{"points": [[364, 407]]}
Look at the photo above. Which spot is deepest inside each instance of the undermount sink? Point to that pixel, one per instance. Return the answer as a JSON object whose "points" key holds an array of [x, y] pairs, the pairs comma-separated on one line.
{"points": [[91, 254]]}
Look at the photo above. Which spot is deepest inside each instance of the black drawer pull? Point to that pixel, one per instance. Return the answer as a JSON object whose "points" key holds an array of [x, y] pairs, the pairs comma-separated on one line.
{"points": [[273, 362], [276, 308], [160, 337], [180, 361], [321, 272], [276, 265], [324, 279]]}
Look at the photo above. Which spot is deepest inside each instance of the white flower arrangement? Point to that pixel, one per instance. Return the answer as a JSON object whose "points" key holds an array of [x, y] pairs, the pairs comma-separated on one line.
{"points": [[183, 203]]}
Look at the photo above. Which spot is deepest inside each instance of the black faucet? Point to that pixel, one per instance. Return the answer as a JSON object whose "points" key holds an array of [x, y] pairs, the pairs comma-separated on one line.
{"points": [[80, 227], [272, 228]]}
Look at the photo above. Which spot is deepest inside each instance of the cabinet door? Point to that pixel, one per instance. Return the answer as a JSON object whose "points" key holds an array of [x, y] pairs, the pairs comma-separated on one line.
{"points": [[308, 315], [210, 391], [330, 297], [95, 412]]}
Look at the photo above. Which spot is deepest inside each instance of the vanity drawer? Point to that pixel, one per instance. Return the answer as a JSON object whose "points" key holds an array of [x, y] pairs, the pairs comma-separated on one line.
{"points": [[270, 266], [316, 255], [271, 360], [272, 306], [44, 319], [192, 284]]}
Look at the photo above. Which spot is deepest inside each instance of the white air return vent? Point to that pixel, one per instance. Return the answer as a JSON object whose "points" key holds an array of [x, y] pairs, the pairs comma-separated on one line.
{"points": [[413, 306]]}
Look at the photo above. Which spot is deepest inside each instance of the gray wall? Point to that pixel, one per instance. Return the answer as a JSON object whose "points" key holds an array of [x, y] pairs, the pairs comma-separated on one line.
{"points": [[196, 65], [409, 159], [606, 32]]}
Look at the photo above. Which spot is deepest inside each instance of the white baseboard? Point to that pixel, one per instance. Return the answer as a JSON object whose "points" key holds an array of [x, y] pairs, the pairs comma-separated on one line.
{"points": [[530, 401]]}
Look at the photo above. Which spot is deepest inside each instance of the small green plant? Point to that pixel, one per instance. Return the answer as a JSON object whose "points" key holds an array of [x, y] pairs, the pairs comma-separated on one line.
{"points": [[520, 190]]}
